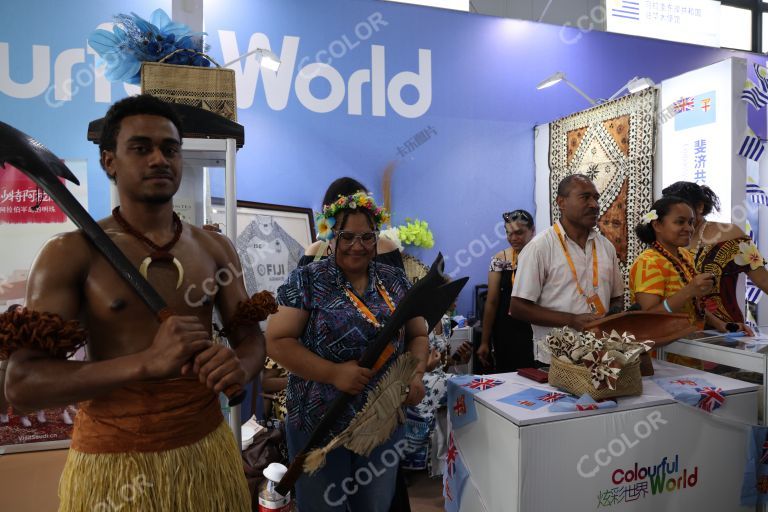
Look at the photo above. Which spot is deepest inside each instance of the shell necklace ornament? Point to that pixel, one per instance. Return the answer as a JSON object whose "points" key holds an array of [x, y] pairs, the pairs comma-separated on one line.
{"points": [[160, 252]]}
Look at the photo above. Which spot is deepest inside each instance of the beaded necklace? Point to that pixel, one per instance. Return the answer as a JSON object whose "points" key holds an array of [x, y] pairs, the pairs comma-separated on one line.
{"points": [[363, 309], [160, 252], [685, 270]]}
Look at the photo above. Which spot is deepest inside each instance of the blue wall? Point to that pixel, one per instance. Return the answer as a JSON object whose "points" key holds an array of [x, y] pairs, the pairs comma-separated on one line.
{"points": [[483, 110]]}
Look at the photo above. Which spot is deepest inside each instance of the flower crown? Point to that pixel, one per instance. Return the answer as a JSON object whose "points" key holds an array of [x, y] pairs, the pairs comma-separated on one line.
{"points": [[648, 217], [327, 219]]}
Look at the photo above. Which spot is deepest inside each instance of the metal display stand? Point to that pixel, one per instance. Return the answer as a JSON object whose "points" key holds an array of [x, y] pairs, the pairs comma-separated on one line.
{"points": [[199, 156]]}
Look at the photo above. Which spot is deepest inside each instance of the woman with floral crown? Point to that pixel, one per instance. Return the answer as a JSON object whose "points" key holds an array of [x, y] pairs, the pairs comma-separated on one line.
{"points": [[386, 250], [663, 277], [723, 250], [328, 313]]}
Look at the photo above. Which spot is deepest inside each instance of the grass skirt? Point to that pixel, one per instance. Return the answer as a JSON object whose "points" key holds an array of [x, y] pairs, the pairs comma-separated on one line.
{"points": [[206, 476]]}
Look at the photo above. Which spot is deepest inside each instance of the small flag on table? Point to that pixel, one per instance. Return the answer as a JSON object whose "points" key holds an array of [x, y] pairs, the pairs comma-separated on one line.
{"points": [[483, 383], [532, 398], [685, 388], [584, 403], [752, 146]]}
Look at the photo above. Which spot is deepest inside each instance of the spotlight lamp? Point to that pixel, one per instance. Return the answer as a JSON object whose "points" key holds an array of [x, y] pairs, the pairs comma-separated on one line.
{"points": [[266, 58], [560, 77], [637, 84]]}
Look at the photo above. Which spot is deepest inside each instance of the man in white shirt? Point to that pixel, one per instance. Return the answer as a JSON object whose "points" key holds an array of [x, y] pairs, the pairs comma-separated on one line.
{"points": [[568, 275]]}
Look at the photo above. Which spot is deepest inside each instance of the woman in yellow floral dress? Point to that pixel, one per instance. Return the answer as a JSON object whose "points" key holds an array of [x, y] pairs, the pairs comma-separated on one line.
{"points": [[663, 277], [723, 250]]}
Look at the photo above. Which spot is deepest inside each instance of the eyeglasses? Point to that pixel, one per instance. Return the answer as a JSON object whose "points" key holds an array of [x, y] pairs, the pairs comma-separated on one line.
{"points": [[367, 239], [517, 215]]}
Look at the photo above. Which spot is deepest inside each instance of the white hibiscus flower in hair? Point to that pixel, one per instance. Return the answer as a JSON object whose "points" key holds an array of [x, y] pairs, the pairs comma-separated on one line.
{"points": [[650, 216]]}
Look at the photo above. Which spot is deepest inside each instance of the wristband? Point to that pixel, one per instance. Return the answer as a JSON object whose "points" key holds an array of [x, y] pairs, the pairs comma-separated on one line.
{"points": [[666, 306]]}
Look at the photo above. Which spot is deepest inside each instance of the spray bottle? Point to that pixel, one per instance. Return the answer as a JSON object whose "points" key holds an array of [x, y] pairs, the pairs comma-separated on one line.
{"points": [[269, 499]]}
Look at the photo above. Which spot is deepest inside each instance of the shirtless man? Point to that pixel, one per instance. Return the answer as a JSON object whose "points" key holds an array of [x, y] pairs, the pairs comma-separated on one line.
{"points": [[149, 412]]}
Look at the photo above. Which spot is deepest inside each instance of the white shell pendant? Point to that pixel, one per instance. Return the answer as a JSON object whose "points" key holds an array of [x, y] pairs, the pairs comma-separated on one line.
{"points": [[146, 262]]}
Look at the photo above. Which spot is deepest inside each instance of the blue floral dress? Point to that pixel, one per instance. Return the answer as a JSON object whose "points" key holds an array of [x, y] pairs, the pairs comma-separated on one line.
{"points": [[336, 331]]}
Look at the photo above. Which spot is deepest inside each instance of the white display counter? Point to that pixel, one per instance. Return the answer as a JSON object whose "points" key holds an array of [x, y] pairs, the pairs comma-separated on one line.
{"points": [[745, 353], [542, 461]]}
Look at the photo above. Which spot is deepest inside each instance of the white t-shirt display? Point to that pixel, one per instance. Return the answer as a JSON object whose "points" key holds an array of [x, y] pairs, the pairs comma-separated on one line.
{"points": [[268, 254]]}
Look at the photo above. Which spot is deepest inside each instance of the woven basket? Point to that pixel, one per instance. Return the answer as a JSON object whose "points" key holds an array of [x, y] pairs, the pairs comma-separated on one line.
{"points": [[207, 88], [575, 379], [414, 268]]}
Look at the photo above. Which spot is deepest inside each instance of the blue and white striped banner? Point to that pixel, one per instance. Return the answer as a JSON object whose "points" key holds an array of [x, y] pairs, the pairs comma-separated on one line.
{"points": [[762, 76], [752, 147], [756, 194], [754, 95], [753, 292]]}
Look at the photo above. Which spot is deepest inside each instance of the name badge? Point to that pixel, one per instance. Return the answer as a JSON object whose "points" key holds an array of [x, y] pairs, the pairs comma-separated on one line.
{"points": [[595, 304]]}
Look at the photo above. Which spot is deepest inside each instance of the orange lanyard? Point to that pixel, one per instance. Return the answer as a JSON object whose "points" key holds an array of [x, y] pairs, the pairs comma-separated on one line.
{"points": [[371, 318], [573, 267], [513, 264], [363, 309]]}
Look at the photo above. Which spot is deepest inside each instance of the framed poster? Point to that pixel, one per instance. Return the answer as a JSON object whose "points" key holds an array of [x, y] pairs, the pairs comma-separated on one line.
{"points": [[270, 241], [29, 217]]}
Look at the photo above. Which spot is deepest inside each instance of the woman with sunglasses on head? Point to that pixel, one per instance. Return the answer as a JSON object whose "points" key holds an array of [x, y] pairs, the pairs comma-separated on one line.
{"points": [[328, 312], [721, 249], [512, 338]]}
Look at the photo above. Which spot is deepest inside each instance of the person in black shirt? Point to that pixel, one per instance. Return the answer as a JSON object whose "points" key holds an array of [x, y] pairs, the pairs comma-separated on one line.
{"points": [[512, 338]]}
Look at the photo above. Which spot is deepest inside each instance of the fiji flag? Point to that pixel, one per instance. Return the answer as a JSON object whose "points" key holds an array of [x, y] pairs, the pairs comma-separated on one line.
{"points": [[532, 398], [752, 147], [692, 111], [455, 477], [754, 484], [685, 388], [754, 95], [461, 401]]}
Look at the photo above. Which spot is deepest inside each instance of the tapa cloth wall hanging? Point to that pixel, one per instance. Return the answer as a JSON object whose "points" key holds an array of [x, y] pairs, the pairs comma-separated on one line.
{"points": [[613, 144]]}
